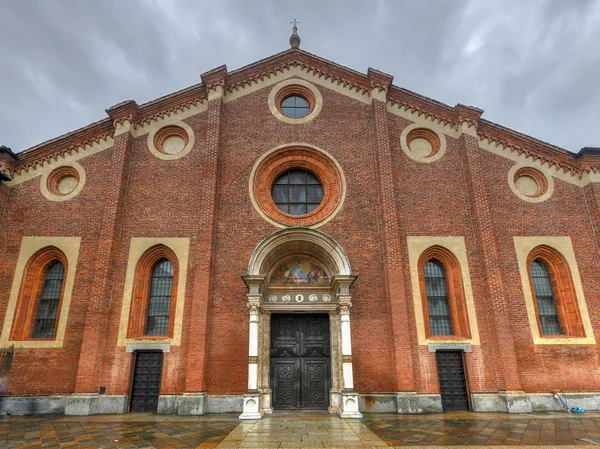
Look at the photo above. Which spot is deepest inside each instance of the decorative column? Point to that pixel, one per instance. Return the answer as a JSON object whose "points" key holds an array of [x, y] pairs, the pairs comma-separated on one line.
{"points": [[349, 405], [252, 408]]}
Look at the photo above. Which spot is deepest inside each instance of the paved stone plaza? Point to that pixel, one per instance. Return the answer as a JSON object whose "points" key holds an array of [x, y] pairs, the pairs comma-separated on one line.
{"points": [[299, 430]]}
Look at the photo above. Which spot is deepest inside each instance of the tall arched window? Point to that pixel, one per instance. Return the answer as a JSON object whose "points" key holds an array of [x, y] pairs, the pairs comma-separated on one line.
{"points": [[159, 302], [544, 298], [47, 309], [442, 294], [155, 291], [440, 321], [40, 297], [557, 309]]}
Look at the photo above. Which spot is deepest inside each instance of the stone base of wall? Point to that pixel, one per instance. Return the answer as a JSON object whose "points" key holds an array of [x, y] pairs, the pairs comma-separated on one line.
{"points": [[191, 404], [521, 402]]}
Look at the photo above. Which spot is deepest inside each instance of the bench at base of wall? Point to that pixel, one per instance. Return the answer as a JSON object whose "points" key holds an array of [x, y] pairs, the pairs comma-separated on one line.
{"points": [[201, 403]]}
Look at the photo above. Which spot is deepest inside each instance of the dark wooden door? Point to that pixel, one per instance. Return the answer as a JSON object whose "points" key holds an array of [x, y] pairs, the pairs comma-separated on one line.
{"points": [[453, 384], [300, 361], [146, 381]]}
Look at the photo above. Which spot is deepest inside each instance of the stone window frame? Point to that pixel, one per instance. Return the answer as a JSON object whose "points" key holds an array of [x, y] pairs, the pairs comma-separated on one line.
{"points": [[543, 179], [51, 177], [436, 138], [141, 292], [295, 86], [34, 278], [443, 245], [558, 254], [456, 293], [33, 253], [170, 127], [297, 155], [137, 248]]}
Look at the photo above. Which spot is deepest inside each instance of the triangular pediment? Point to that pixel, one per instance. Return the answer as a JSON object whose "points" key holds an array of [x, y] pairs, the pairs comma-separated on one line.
{"points": [[296, 63]]}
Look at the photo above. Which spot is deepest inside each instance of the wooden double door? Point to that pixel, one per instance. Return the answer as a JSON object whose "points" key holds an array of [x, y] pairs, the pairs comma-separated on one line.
{"points": [[300, 361]]}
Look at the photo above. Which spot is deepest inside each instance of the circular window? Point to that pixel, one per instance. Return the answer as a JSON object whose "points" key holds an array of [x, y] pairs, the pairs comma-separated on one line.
{"points": [[295, 106], [297, 185], [295, 101], [297, 192]]}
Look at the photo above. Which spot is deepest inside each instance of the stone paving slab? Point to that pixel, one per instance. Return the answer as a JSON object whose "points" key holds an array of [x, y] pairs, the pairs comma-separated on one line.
{"points": [[301, 430]]}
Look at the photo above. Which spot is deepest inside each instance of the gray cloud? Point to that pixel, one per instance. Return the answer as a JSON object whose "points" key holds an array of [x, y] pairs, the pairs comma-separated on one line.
{"points": [[532, 66]]}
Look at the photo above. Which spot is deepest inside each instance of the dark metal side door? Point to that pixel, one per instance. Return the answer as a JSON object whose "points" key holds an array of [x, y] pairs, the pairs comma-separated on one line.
{"points": [[453, 384], [300, 361], [145, 386]]}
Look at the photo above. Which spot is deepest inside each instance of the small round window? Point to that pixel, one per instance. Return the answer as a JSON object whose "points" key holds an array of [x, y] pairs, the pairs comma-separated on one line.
{"points": [[295, 106], [297, 192]]}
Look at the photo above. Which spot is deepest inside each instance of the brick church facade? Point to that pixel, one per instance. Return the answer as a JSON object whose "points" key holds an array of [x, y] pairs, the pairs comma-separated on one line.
{"points": [[298, 235]]}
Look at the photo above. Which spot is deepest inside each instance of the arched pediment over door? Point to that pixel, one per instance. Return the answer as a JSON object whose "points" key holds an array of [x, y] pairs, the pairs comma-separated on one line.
{"points": [[299, 270]]}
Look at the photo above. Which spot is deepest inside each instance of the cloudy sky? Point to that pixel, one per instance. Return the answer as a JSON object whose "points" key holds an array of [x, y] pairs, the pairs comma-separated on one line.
{"points": [[532, 65]]}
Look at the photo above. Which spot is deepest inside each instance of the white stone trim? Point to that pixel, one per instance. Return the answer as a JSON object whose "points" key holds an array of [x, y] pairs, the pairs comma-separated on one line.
{"points": [[530, 199], [284, 236], [57, 161], [456, 245], [138, 246], [524, 246], [53, 197], [171, 157], [29, 246], [427, 159], [316, 107]]}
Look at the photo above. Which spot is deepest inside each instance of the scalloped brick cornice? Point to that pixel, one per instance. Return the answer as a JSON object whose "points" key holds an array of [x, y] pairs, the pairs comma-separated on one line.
{"points": [[193, 100], [313, 64], [535, 150], [75, 141], [421, 105]]}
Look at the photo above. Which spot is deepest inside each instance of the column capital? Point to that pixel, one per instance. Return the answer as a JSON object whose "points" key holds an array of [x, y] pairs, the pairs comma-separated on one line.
{"points": [[254, 307]]}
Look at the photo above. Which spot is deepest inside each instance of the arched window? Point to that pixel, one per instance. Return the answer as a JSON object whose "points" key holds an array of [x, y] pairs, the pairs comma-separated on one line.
{"points": [[159, 302], [442, 294], [47, 308], [544, 298], [155, 291], [40, 297], [557, 310], [440, 321]]}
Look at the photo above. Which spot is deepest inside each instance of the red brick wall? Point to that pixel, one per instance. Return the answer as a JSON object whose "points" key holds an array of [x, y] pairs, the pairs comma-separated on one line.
{"points": [[159, 198]]}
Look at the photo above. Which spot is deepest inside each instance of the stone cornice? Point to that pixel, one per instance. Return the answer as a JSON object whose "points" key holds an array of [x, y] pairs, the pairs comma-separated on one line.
{"points": [[514, 143], [421, 105], [74, 142], [307, 62]]}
